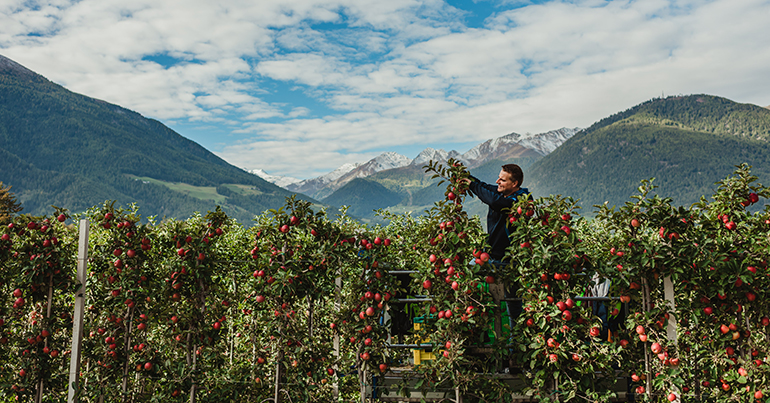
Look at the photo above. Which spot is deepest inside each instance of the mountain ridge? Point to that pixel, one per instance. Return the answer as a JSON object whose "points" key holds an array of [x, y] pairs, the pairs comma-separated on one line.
{"points": [[687, 143], [74, 151], [59, 147], [510, 146]]}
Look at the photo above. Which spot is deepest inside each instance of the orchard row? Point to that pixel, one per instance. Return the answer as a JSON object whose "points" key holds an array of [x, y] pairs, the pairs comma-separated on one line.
{"points": [[207, 309]]}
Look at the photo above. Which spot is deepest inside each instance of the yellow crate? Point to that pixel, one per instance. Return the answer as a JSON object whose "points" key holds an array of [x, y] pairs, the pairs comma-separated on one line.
{"points": [[421, 355]]}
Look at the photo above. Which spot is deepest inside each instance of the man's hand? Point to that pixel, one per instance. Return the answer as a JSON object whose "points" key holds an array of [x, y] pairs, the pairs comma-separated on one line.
{"points": [[465, 181]]}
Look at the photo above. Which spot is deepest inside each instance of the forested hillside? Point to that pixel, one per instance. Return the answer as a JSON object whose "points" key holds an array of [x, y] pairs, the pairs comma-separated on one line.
{"points": [[685, 143], [65, 149]]}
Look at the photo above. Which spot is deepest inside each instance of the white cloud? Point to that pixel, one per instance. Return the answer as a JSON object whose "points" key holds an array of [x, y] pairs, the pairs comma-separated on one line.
{"points": [[377, 75]]}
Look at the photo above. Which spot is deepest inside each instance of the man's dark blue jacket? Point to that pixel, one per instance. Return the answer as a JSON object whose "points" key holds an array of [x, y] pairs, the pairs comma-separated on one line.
{"points": [[496, 218]]}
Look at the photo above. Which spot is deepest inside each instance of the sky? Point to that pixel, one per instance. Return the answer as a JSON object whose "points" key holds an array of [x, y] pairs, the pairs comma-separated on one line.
{"points": [[301, 87]]}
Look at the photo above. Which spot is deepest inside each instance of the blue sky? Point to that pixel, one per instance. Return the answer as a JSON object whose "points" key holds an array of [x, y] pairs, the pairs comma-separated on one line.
{"points": [[300, 87]]}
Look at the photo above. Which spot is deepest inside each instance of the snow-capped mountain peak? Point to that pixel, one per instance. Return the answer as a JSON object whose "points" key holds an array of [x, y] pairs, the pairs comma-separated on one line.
{"points": [[281, 181], [510, 146], [515, 144], [311, 186], [546, 142], [429, 154], [389, 160]]}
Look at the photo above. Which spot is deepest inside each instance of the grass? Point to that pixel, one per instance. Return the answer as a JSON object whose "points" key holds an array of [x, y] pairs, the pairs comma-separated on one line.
{"points": [[243, 189], [198, 192]]}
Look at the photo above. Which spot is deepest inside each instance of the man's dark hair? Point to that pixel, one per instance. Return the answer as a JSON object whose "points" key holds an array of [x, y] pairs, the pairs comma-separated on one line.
{"points": [[515, 171]]}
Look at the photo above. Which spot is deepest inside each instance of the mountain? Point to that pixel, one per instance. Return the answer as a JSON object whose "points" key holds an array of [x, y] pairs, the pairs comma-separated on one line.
{"points": [[383, 162], [417, 191], [687, 143], [65, 149], [511, 146], [282, 181], [325, 185], [515, 145], [312, 186], [363, 196], [430, 154]]}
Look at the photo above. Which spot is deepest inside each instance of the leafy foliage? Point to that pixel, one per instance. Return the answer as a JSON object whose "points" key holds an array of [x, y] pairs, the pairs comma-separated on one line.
{"points": [[8, 204], [207, 308]]}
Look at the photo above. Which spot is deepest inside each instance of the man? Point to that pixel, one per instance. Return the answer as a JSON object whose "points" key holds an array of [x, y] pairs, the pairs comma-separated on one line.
{"points": [[499, 198]]}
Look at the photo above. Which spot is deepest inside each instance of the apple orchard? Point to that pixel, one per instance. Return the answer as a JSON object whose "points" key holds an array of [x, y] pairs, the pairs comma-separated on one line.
{"points": [[301, 306]]}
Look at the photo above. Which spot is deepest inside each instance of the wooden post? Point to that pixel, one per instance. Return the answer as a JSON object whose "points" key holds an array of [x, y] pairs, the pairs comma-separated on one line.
{"points": [[668, 290], [338, 307], [310, 316], [126, 350], [498, 293], [671, 335], [362, 377], [77, 317], [646, 308], [278, 374], [41, 384]]}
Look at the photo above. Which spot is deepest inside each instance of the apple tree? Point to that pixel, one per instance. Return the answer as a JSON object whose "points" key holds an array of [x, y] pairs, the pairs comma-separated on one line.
{"points": [[121, 312], [645, 243], [295, 259], [36, 254], [726, 312], [455, 274], [558, 339]]}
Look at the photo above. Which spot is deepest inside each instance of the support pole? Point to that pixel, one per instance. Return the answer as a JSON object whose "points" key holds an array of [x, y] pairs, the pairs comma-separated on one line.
{"points": [[668, 292], [337, 307], [646, 308], [41, 384], [77, 317]]}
